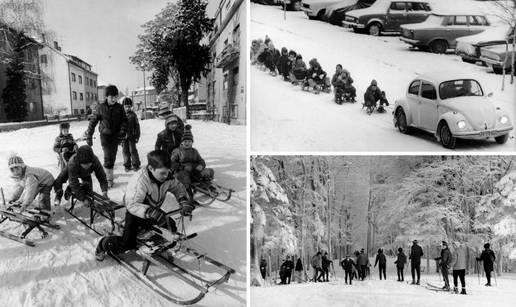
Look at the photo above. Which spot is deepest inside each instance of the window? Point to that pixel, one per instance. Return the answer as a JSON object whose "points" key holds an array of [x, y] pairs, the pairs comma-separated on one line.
{"points": [[86, 81], [81, 95], [428, 91], [43, 59], [461, 21], [87, 96], [397, 6], [414, 88], [74, 95], [80, 79], [417, 6], [477, 21], [73, 77]]}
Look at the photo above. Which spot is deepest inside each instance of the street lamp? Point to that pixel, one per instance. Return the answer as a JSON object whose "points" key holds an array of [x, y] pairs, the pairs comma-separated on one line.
{"points": [[144, 115]]}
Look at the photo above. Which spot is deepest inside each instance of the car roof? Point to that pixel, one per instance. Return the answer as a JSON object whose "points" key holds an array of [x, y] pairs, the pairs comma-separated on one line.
{"points": [[440, 76]]}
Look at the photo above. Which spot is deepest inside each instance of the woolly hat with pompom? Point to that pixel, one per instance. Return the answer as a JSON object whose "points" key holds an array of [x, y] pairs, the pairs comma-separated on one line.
{"points": [[15, 160], [187, 135]]}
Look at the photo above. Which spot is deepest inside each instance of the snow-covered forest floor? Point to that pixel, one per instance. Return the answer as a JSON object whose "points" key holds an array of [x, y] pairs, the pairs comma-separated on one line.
{"points": [[284, 118], [62, 271]]}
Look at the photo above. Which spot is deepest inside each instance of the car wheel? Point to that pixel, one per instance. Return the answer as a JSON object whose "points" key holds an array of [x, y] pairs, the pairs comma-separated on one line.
{"points": [[502, 139], [401, 121], [447, 139], [374, 29], [439, 46]]}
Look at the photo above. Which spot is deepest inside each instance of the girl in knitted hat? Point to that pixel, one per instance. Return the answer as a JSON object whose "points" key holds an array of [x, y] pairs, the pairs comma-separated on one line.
{"points": [[29, 183]]}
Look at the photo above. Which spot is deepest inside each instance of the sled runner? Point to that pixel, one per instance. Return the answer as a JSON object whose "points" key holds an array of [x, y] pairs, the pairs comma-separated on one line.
{"points": [[31, 219], [211, 191]]}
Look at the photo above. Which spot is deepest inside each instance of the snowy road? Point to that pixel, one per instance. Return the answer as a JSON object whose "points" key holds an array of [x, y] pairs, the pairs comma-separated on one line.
{"points": [[61, 270], [283, 118]]}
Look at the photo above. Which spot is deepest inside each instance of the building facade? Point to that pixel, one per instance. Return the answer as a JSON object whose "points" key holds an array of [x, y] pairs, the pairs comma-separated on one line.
{"points": [[142, 96]]}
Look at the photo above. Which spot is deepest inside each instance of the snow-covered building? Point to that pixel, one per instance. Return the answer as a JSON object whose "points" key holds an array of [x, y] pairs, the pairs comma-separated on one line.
{"points": [[223, 89], [144, 96]]}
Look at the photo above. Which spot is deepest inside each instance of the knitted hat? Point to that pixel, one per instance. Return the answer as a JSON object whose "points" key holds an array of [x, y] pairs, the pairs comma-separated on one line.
{"points": [[292, 53], [126, 101], [15, 160], [84, 154], [64, 126], [187, 135], [172, 118], [110, 90]]}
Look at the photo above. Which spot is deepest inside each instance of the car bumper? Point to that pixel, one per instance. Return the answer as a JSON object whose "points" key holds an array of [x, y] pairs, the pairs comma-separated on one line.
{"points": [[481, 135], [413, 42], [350, 24]]}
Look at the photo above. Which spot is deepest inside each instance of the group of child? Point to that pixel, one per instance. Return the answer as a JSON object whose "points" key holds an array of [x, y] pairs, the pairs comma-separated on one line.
{"points": [[291, 67], [172, 166]]}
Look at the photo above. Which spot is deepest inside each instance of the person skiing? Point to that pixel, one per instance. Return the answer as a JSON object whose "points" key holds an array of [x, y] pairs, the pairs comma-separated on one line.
{"points": [[363, 263], [130, 152], [382, 261], [298, 71], [263, 268], [459, 266], [317, 266], [299, 270], [400, 264], [372, 95], [347, 265], [170, 138], [317, 78], [29, 183], [144, 195], [64, 145], [287, 268], [112, 129], [444, 264], [78, 174], [326, 267], [488, 257], [416, 252]]}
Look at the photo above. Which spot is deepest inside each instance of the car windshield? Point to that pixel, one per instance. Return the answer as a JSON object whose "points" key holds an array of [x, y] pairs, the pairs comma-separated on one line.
{"points": [[434, 19], [458, 88]]}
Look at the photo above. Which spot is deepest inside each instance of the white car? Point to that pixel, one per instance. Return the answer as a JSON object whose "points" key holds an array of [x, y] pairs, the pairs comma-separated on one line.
{"points": [[451, 105], [315, 9], [468, 47]]}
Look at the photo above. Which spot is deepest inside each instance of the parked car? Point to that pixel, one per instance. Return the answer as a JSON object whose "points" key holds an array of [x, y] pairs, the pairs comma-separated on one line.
{"points": [[387, 16], [439, 32], [315, 9], [468, 47], [499, 57], [266, 2], [335, 13], [293, 5], [451, 105]]}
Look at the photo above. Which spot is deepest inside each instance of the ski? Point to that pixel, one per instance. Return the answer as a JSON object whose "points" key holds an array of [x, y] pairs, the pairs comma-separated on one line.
{"points": [[16, 238], [430, 286]]}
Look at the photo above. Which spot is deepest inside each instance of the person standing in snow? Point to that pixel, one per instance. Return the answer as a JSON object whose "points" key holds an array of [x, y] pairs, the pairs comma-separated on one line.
{"points": [[112, 128], [299, 270], [444, 264], [382, 261], [64, 145], [326, 267], [130, 152], [283, 64], [400, 264], [488, 257], [348, 266], [317, 266], [287, 268], [263, 268], [459, 266], [416, 252], [363, 263]]}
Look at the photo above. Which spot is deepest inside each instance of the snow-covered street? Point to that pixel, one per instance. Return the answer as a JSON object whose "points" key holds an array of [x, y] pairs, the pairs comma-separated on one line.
{"points": [[284, 118], [62, 271]]}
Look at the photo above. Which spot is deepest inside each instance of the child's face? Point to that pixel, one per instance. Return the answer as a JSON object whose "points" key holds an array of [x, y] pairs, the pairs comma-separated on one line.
{"points": [[127, 108], [187, 143], [172, 126], [339, 69], [112, 99], [17, 171], [65, 131], [291, 57], [161, 174]]}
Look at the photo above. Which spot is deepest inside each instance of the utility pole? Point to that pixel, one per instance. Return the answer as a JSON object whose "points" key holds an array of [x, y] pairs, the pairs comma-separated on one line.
{"points": [[144, 96]]}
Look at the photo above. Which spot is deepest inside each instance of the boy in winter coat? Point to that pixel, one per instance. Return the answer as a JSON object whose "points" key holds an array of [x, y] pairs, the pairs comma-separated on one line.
{"points": [[445, 260], [488, 257], [64, 145], [380, 259], [78, 174], [130, 153], [29, 183], [416, 252], [298, 72], [347, 265], [112, 128], [317, 77], [283, 64], [374, 94], [342, 82], [400, 264], [459, 266], [170, 138], [144, 196], [187, 164]]}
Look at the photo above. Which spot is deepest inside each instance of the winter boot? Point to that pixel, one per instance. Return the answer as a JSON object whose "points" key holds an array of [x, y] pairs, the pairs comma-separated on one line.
{"points": [[463, 291], [109, 177]]}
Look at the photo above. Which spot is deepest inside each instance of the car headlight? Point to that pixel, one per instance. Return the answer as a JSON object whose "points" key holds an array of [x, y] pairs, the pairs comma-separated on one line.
{"points": [[504, 119], [461, 124]]}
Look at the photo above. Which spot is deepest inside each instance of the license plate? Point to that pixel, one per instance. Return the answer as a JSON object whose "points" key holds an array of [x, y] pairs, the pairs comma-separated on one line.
{"points": [[487, 133]]}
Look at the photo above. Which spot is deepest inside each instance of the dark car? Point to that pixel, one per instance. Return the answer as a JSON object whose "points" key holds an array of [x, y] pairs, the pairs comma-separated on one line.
{"points": [[440, 31], [387, 16], [336, 13]]}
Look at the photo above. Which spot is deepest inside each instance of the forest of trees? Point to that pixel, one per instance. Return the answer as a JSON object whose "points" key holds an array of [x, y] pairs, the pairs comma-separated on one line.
{"points": [[304, 204]]}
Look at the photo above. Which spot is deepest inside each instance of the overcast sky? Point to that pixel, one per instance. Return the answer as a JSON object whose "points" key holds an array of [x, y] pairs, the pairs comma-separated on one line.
{"points": [[104, 33]]}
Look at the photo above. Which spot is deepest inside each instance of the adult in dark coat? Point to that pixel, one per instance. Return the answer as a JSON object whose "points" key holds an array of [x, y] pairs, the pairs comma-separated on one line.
{"points": [[287, 266], [382, 261], [400, 264], [416, 252], [112, 128], [170, 138], [326, 267], [263, 267], [488, 257], [444, 264], [363, 263], [347, 265], [299, 270]]}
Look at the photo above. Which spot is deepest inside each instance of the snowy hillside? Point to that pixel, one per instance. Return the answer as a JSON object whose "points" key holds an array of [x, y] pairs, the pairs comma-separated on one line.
{"points": [[283, 118], [61, 270]]}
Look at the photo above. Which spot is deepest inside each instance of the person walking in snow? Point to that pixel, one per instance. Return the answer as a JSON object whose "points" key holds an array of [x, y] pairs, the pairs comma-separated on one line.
{"points": [[363, 263], [286, 268], [349, 266], [263, 268], [416, 252], [112, 128], [326, 267], [130, 152], [444, 264], [488, 257], [299, 270], [382, 261], [401, 259], [317, 267], [459, 266]]}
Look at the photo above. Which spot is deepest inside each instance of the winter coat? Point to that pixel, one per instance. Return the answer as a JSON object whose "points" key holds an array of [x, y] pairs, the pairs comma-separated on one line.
{"points": [[29, 184], [380, 258], [316, 261], [76, 171], [299, 265], [186, 158], [445, 258], [315, 73], [416, 252], [362, 259], [288, 266], [299, 67], [459, 259], [113, 121], [263, 265], [64, 141], [283, 64], [326, 262], [347, 264], [401, 260], [345, 80], [371, 95], [133, 126], [144, 191], [488, 256], [168, 140]]}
